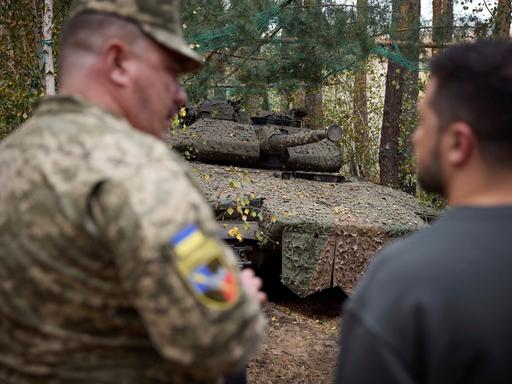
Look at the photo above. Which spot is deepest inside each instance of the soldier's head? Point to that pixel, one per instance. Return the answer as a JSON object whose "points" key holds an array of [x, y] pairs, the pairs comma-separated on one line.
{"points": [[127, 55], [466, 116]]}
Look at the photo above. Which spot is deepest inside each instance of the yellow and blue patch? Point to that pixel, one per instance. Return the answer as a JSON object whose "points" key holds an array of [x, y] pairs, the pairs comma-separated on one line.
{"points": [[202, 263], [187, 240]]}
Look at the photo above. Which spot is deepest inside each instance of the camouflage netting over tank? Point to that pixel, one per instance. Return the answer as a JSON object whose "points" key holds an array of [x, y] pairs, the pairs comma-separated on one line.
{"points": [[288, 44], [327, 233]]}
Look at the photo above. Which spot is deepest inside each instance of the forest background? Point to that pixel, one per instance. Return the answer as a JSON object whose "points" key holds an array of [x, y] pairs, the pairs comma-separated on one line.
{"points": [[360, 63]]}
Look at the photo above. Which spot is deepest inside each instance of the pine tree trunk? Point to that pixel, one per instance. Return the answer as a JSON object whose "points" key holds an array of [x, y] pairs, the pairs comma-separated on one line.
{"points": [[389, 140], [399, 117], [313, 97], [314, 106], [409, 115], [502, 20], [298, 98], [442, 23], [49, 73]]}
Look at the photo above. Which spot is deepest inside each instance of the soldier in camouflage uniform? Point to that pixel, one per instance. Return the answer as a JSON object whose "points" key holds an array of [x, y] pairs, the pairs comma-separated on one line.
{"points": [[110, 268]]}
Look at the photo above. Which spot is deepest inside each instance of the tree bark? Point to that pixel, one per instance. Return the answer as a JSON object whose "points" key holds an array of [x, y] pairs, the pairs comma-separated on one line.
{"points": [[409, 116], [502, 20], [314, 106], [314, 93], [399, 117], [389, 140], [442, 23], [49, 72]]}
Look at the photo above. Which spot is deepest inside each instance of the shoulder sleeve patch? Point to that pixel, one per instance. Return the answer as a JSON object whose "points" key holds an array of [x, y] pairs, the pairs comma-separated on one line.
{"points": [[202, 265]]}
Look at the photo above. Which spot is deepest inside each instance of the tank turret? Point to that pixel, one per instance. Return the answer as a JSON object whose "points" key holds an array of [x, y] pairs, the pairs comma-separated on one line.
{"points": [[272, 141]]}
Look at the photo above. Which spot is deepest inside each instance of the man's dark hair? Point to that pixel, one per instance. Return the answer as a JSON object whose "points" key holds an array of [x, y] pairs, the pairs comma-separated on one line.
{"points": [[474, 85]]}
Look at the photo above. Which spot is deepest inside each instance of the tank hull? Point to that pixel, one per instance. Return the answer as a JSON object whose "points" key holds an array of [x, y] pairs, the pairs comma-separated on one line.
{"points": [[323, 233]]}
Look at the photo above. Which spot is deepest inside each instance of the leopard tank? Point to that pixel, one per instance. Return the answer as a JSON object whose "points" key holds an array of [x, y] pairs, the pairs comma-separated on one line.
{"points": [[276, 189]]}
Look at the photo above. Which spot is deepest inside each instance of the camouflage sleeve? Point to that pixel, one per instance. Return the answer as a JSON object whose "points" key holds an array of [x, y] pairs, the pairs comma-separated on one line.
{"points": [[183, 280]]}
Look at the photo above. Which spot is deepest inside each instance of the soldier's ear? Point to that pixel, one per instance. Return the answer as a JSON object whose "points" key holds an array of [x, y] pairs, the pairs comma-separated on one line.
{"points": [[115, 61]]}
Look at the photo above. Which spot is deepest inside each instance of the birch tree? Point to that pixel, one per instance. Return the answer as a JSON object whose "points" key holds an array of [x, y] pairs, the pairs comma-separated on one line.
{"points": [[49, 71]]}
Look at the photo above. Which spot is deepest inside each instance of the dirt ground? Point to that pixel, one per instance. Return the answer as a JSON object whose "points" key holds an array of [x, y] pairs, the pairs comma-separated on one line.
{"points": [[301, 342]]}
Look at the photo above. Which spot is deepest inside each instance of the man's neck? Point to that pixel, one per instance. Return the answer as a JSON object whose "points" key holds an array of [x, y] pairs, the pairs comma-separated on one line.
{"points": [[91, 94], [486, 189]]}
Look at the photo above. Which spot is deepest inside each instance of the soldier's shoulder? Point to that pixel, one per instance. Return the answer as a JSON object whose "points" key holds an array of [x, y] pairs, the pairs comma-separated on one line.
{"points": [[71, 133]]}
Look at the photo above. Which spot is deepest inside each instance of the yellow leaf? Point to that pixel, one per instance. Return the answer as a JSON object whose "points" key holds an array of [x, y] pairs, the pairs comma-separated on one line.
{"points": [[234, 232], [273, 219], [182, 112], [246, 211]]}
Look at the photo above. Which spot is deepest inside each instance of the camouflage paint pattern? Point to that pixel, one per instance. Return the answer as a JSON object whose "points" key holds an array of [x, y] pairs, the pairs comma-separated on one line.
{"points": [[231, 142], [89, 289]]}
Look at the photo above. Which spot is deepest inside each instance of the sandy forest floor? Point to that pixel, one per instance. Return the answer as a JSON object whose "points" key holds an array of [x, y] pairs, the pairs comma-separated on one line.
{"points": [[301, 342]]}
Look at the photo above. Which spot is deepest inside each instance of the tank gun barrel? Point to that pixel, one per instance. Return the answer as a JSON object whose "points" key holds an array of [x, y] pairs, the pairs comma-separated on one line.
{"points": [[278, 142]]}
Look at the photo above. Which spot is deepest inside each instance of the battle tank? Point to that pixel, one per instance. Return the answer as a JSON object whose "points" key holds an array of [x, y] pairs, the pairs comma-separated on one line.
{"points": [[276, 190]]}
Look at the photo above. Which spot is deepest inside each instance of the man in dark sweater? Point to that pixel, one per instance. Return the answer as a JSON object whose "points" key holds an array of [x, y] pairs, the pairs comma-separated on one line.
{"points": [[437, 306]]}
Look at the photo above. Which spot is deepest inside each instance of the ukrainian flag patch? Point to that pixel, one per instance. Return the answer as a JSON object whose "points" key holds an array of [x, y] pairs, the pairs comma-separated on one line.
{"points": [[202, 264]]}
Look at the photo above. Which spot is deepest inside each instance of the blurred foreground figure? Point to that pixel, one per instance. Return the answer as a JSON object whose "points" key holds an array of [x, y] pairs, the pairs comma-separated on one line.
{"points": [[110, 269], [436, 307]]}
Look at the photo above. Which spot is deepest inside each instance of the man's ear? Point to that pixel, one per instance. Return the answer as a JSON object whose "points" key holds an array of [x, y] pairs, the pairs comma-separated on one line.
{"points": [[115, 61], [460, 143]]}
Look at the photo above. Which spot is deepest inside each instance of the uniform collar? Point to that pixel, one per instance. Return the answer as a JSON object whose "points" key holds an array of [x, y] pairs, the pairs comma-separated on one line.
{"points": [[73, 104]]}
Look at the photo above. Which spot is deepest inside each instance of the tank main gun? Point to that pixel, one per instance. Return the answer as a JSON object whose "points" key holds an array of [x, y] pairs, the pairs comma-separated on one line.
{"points": [[277, 142]]}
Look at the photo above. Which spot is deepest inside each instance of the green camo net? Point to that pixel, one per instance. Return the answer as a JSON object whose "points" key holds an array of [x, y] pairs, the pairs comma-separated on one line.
{"points": [[285, 45]]}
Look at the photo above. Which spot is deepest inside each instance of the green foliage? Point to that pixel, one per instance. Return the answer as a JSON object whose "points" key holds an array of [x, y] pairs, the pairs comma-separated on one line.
{"points": [[15, 103], [22, 68], [252, 46], [338, 107], [431, 199]]}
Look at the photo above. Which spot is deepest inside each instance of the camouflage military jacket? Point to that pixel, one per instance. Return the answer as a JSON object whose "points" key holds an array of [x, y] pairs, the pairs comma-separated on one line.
{"points": [[110, 271]]}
